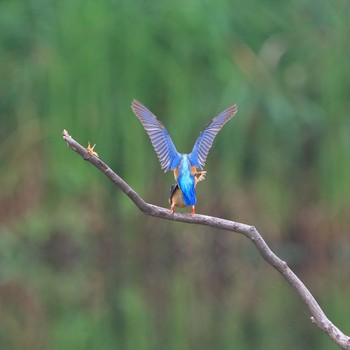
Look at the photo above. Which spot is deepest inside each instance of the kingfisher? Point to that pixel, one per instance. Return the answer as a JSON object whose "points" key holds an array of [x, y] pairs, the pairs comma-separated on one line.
{"points": [[184, 166]]}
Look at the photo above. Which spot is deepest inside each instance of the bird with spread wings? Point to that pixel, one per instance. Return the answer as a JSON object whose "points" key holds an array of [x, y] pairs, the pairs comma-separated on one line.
{"points": [[184, 166]]}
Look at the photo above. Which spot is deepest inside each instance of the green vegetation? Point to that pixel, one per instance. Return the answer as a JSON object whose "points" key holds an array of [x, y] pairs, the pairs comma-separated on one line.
{"points": [[80, 267]]}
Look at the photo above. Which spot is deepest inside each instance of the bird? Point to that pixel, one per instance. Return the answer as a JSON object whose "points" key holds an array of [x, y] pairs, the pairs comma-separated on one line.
{"points": [[184, 166]]}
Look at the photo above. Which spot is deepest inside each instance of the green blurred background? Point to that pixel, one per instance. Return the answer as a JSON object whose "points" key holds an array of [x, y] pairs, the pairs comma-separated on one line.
{"points": [[80, 266]]}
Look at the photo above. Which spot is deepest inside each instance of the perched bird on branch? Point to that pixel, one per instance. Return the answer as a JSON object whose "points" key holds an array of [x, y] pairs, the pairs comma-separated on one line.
{"points": [[176, 198], [183, 193]]}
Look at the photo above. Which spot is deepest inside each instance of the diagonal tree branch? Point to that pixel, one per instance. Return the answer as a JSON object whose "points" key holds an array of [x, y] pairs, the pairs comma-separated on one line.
{"points": [[318, 317]]}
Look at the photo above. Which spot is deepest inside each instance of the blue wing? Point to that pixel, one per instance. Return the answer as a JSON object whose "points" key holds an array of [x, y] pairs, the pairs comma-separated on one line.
{"points": [[206, 138], [163, 145]]}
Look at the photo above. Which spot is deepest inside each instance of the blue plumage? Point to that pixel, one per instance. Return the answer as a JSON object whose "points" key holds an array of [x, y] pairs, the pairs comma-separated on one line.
{"points": [[183, 165], [186, 182], [167, 154], [205, 139]]}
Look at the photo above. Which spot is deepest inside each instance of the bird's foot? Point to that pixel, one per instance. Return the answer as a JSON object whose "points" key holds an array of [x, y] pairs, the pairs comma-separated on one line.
{"points": [[193, 210], [172, 208]]}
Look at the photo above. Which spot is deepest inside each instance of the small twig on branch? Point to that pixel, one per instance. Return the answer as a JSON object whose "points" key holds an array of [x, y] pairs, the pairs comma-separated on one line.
{"points": [[318, 317]]}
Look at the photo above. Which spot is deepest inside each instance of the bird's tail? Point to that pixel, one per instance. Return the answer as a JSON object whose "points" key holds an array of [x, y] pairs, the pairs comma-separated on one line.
{"points": [[189, 194]]}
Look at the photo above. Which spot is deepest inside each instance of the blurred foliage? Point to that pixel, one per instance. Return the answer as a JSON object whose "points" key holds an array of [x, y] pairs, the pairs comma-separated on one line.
{"points": [[80, 267]]}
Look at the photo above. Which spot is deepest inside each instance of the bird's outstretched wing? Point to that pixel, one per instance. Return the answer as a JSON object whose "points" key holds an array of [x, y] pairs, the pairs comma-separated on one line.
{"points": [[205, 139], [163, 145]]}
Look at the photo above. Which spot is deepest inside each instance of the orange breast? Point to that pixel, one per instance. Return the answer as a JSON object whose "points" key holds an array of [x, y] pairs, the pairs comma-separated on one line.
{"points": [[178, 199]]}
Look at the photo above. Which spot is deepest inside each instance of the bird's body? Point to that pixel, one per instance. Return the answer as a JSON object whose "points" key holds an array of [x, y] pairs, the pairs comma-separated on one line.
{"points": [[177, 198], [185, 179], [183, 193]]}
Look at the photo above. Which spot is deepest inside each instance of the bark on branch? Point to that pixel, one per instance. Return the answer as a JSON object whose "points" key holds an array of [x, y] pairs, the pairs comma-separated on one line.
{"points": [[317, 317]]}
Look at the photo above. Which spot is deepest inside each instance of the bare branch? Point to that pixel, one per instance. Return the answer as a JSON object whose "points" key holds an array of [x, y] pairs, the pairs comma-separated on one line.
{"points": [[318, 317]]}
